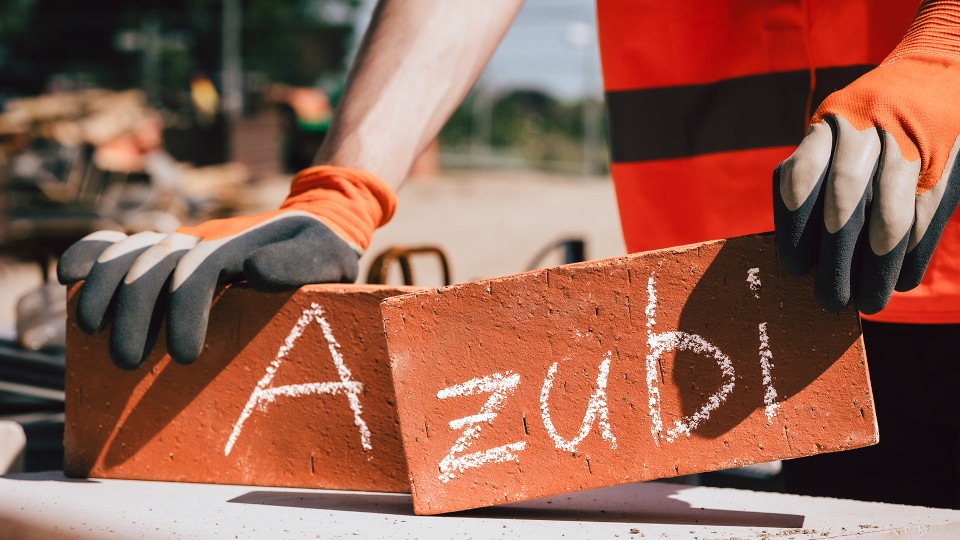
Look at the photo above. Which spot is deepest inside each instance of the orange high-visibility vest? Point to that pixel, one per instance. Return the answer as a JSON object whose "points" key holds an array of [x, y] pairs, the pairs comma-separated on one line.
{"points": [[705, 98]]}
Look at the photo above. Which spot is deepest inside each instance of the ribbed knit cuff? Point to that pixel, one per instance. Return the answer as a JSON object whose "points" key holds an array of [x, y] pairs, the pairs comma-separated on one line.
{"points": [[352, 202], [935, 31]]}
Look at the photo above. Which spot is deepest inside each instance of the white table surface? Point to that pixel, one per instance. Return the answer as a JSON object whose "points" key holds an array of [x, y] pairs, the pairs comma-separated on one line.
{"points": [[49, 505]]}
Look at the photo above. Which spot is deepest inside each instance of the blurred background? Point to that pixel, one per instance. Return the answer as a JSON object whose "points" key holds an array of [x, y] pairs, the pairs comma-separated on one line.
{"points": [[154, 114]]}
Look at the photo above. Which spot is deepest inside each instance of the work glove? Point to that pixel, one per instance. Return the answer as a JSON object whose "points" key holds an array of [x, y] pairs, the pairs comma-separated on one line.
{"points": [[866, 195], [316, 236]]}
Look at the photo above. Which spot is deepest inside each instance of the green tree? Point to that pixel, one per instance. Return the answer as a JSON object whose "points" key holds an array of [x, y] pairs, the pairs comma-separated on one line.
{"points": [[102, 41], [526, 124]]}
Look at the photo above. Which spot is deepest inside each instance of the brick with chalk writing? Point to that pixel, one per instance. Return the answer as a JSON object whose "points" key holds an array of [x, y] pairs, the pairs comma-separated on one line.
{"points": [[292, 389], [665, 363]]}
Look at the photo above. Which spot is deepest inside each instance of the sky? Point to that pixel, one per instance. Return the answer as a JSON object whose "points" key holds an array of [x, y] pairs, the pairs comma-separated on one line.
{"points": [[551, 46]]}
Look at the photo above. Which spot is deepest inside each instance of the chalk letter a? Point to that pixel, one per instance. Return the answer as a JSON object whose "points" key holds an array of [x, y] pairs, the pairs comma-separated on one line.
{"points": [[264, 394]]}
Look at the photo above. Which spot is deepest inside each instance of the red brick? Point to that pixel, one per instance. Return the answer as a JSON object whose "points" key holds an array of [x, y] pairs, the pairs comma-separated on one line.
{"points": [[525, 353], [167, 421]]}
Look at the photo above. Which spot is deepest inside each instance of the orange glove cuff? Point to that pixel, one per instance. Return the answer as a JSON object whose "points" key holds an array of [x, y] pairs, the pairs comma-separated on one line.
{"points": [[352, 202], [913, 94], [935, 32]]}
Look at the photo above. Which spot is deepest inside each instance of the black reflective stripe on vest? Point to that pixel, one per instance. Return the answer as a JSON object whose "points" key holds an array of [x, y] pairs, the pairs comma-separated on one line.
{"points": [[758, 111]]}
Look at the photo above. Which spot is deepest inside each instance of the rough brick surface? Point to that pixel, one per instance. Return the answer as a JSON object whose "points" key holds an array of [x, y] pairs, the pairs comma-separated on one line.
{"points": [[601, 373], [292, 389]]}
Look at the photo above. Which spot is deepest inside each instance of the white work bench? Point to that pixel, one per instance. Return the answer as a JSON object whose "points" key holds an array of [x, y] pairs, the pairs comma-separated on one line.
{"points": [[49, 505]]}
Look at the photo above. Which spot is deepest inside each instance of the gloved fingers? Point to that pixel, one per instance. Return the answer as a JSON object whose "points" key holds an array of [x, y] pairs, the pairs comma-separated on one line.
{"points": [[198, 272], [314, 255], [892, 212], [847, 193], [142, 299], [191, 293], [933, 209], [78, 259], [103, 279], [798, 199]]}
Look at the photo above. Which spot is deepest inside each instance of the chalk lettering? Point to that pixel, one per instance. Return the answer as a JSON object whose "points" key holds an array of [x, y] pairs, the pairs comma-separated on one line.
{"points": [[753, 280], [263, 395], [653, 363], [500, 386], [663, 342], [766, 355], [766, 366], [596, 406]]}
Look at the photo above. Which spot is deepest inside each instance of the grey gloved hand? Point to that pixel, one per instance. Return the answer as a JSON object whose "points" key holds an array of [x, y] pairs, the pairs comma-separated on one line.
{"points": [[868, 192], [133, 283]]}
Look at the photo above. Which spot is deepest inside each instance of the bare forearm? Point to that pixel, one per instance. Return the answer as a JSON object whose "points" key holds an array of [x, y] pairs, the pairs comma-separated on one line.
{"points": [[416, 64]]}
